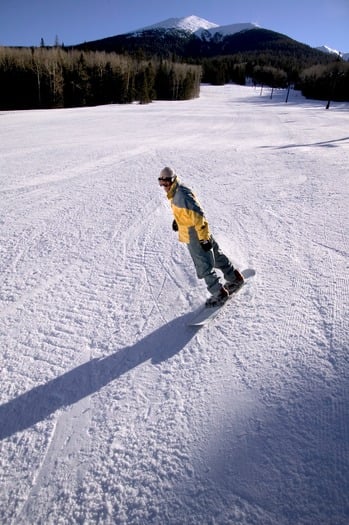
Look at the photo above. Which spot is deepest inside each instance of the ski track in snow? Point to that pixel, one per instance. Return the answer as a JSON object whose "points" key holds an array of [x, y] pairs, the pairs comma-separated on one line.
{"points": [[113, 410]]}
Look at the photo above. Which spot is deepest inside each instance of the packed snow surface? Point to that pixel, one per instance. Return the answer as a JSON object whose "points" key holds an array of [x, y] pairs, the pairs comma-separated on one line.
{"points": [[112, 409]]}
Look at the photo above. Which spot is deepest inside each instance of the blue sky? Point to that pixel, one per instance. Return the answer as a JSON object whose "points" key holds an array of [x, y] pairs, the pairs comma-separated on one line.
{"points": [[25, 22]]}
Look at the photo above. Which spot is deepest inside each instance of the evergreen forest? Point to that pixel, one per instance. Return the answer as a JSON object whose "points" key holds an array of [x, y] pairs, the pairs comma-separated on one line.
{"points": [[33, 78]]}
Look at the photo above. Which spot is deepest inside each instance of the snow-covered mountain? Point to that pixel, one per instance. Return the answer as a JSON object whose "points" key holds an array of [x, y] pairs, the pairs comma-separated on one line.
{"points": [[327, 49], [330, 51], [200, 27], [197, 25], [190, 23]]}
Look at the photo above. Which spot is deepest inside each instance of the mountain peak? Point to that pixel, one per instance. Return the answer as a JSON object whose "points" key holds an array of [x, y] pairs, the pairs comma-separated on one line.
{"points": [[199, 26], [330, 51], [190, 23]]}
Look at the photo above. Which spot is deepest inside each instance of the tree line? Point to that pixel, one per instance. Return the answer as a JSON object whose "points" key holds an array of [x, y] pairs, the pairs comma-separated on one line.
{"points": [[42, 77], [325, 81], [33, 78]]}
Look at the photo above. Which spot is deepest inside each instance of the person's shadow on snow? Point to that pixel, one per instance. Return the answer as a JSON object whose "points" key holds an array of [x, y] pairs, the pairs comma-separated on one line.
{"points": [[37, 404]]}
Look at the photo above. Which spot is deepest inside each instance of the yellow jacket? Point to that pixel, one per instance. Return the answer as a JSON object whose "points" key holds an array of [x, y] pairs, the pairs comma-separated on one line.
{"points": [[188, 213]]}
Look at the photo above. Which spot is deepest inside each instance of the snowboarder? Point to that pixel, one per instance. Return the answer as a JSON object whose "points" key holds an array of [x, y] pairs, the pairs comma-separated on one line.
{"points": [[193, 229]]}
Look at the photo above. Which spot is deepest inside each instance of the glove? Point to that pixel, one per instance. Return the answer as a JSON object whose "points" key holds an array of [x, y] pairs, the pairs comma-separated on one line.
{"points": [[206, 245], [175, 226]]}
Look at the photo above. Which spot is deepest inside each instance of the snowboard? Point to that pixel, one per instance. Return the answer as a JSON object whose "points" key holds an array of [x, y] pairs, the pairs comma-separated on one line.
{"points": [[206, 314]]}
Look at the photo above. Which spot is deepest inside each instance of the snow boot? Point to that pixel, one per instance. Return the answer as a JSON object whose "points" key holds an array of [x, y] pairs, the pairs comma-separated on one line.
{"points": [[218, 299], [232, 286]]}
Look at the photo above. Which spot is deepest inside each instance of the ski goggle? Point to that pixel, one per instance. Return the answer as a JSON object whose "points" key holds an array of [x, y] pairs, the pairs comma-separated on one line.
{"points": [[165, 181]]}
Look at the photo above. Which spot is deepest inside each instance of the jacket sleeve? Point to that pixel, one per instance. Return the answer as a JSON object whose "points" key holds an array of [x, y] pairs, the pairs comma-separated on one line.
{"points": [[196, 218], [201, 227]]}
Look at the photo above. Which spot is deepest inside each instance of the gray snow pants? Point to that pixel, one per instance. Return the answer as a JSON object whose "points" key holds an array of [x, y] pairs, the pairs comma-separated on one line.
{"points": [[206, 262]]}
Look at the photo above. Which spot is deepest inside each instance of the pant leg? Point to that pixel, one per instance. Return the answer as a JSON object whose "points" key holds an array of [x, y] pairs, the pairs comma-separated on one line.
{"points": [[222, 262], [204, 263]]}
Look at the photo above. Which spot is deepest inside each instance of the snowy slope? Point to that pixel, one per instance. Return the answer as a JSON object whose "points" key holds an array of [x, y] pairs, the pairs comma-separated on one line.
{"points": [[113, 411]]}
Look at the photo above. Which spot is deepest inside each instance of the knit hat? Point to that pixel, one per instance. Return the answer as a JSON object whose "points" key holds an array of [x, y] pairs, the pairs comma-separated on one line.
{"points": [[168, 173]]}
